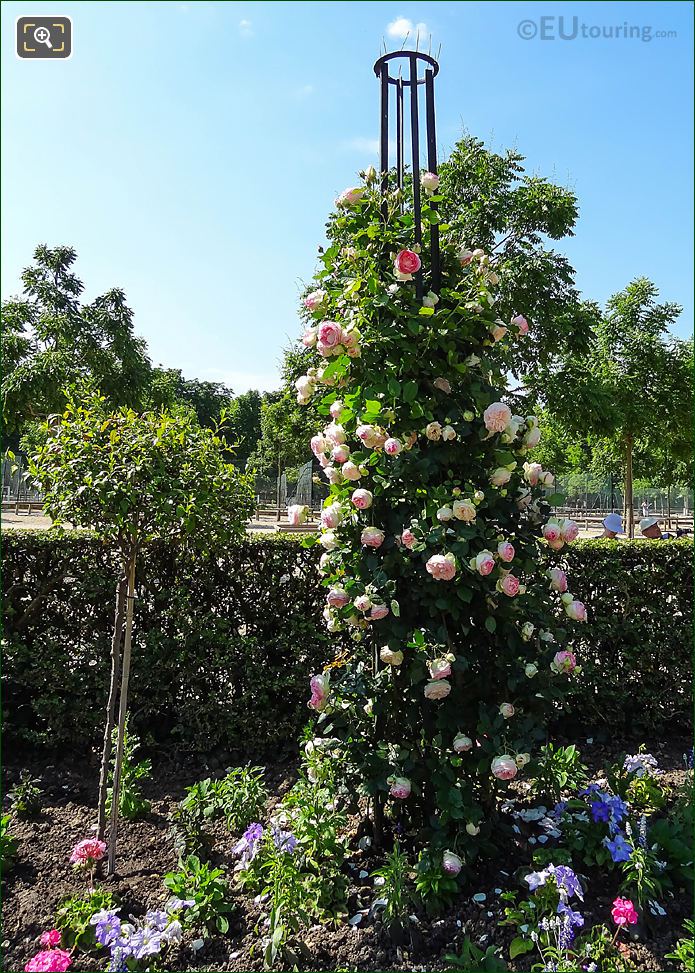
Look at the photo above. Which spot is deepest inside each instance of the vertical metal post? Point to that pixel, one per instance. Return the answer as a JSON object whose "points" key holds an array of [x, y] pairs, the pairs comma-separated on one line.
{"points": [[384, 141], [432, 166], [399, 132], [415, 150]]}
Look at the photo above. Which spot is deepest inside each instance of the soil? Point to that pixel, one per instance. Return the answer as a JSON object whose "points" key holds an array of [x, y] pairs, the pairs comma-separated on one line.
{"points": [[43, 876]]}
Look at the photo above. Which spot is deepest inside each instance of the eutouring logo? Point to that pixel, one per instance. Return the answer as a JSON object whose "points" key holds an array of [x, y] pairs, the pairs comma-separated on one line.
{"points": [[552, 28]]}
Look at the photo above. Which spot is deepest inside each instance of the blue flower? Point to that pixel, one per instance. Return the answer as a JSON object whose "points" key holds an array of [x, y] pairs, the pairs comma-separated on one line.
{"points": [[575, 919], [589, 789], [146, 942], [107, 930], [567, 880], [157, 919], [536, 879], [284, 840], [600, 811], [619, 848]]}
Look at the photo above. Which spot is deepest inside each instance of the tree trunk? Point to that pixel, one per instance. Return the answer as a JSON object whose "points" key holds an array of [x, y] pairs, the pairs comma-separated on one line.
{"points": [[668, 507], [122, 712], [629, 502], [121, 588], [277, 492]]}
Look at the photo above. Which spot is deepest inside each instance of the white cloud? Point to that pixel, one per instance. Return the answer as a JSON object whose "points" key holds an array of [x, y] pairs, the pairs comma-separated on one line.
{"points": [[246, 28], [401, 28]]}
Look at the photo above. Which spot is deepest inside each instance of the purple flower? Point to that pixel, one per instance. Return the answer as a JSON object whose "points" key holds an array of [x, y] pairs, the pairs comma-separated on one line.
{"points": [[157, 919], [253, 832], [619, 848], [600, 811], [145, 942], [247, 846], [536, 879], [108, 930], [558, 810], [284, 840], [118, 961], [574, 918], [589, 789], [567, 881]]}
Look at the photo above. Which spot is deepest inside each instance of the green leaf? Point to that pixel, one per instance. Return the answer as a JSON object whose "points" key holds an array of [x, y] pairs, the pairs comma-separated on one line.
{"points": [[519, 946], [410, 390], [490, 624], [426, 311]]}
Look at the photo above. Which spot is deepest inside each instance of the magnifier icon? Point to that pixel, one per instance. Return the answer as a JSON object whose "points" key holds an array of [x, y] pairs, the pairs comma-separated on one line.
{"points": [[42, 35]]}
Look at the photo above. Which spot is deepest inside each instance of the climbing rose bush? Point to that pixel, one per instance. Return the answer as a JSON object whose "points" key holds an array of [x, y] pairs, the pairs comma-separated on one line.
{"points": [[436, 530]]}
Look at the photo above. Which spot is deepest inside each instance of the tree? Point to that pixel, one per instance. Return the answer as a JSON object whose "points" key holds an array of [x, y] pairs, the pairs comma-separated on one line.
{"points": [[433, 559], [244, 416], [207, 399], [52, 341], [135, 479], [634, 387]]}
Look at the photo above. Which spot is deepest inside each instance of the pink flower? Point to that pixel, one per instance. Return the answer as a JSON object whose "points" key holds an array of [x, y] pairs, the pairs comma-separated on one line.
{"points": [[522, 324], [362, 499], [407, 263], [392, 447], [437, 689], [576, 611], [532, 473], [504, 767], [319, 445], [564, 661], [497, 416], [335, 433], [49, 961], [440, 668], [507, 710], [331, 516], [319, 692], [351, 471], [433, 431], [558, 579], [409, 539], [552, 532], [315, 299], [336, 409], [368, 434], [349, 197], [532, 437], [500, 477], [429, 181], [484, 563], [337, 597], [297, 514], [570, 531], [509, 585], [329, 336], [451, 863], [400, 787], [88, 852], [363, 603], [309, 337], [340, 453], [462, 743], [506, 551], [624, 912], [50, 938], [372, 537], [498, 332], [378, 611], [442, 567]]}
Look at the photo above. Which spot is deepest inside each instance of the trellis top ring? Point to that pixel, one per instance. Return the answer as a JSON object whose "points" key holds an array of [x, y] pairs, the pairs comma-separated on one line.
{"points": [[411, 57]]}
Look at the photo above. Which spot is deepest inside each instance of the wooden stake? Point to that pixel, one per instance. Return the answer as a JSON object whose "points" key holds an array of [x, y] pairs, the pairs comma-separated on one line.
{"points": [[121, 588]]}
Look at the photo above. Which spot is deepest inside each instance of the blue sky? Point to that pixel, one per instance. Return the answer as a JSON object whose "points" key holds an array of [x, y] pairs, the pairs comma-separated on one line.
{"points": [[191, 151]]}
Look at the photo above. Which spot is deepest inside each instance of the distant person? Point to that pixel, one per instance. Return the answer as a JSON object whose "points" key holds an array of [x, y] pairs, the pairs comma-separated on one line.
{"points": [[645, 509], [612, 526]]}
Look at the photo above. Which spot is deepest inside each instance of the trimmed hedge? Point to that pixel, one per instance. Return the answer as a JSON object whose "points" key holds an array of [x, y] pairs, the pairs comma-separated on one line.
{"points": [[223, 647]]}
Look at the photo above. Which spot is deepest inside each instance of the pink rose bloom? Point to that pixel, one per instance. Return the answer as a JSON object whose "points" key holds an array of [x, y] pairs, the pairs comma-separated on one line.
{"points": [[378, 611], [546, 479], [504, 767], [509, 585], [443, 385], [565, 661], [336, 409], [362, 603], [532, 473], [335, 433], [409, 539], [331, 516], [50, 938], [330, 335], [462, 743], [552, 532], [624, 912], [49, 961], [319, 444], [368, 435], [556, 545], [570, 531], [440, 668], [309, 337], [392, 447], [297, 514], [372, 537], [313, 300], [400, 787], [497, 416], [319, 692], [340, 453], [407, 262], [451, 863], [429, 181], [464, 510], [362, 499], [337, 597], [442, 567], [484, 563], [532, 437], [349, 197], [324, 461], [351, 471], [498, 332], [88, 851], [437, 689], [558, 580], [507, 711], [500, 477], [576, 611], [522, 324], [506, 551]]}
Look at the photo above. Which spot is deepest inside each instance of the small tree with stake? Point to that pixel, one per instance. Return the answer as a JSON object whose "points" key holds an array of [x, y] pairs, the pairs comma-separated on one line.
{"points": [[135, 479]]}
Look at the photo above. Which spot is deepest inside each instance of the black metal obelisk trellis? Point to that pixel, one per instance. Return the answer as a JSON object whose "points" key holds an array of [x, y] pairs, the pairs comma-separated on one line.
{"points": [[414, 61]]}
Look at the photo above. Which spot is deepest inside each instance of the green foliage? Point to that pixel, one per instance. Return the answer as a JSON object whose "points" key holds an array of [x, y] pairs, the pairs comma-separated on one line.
{"points": [[239, 798], [292, 899], [25, 796], [397, 889], [472, 957], [73, 915], [58, 596], [131, 804], [8, 845], [208, 889], [435, 888], [558, 769], [684, 950]]}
